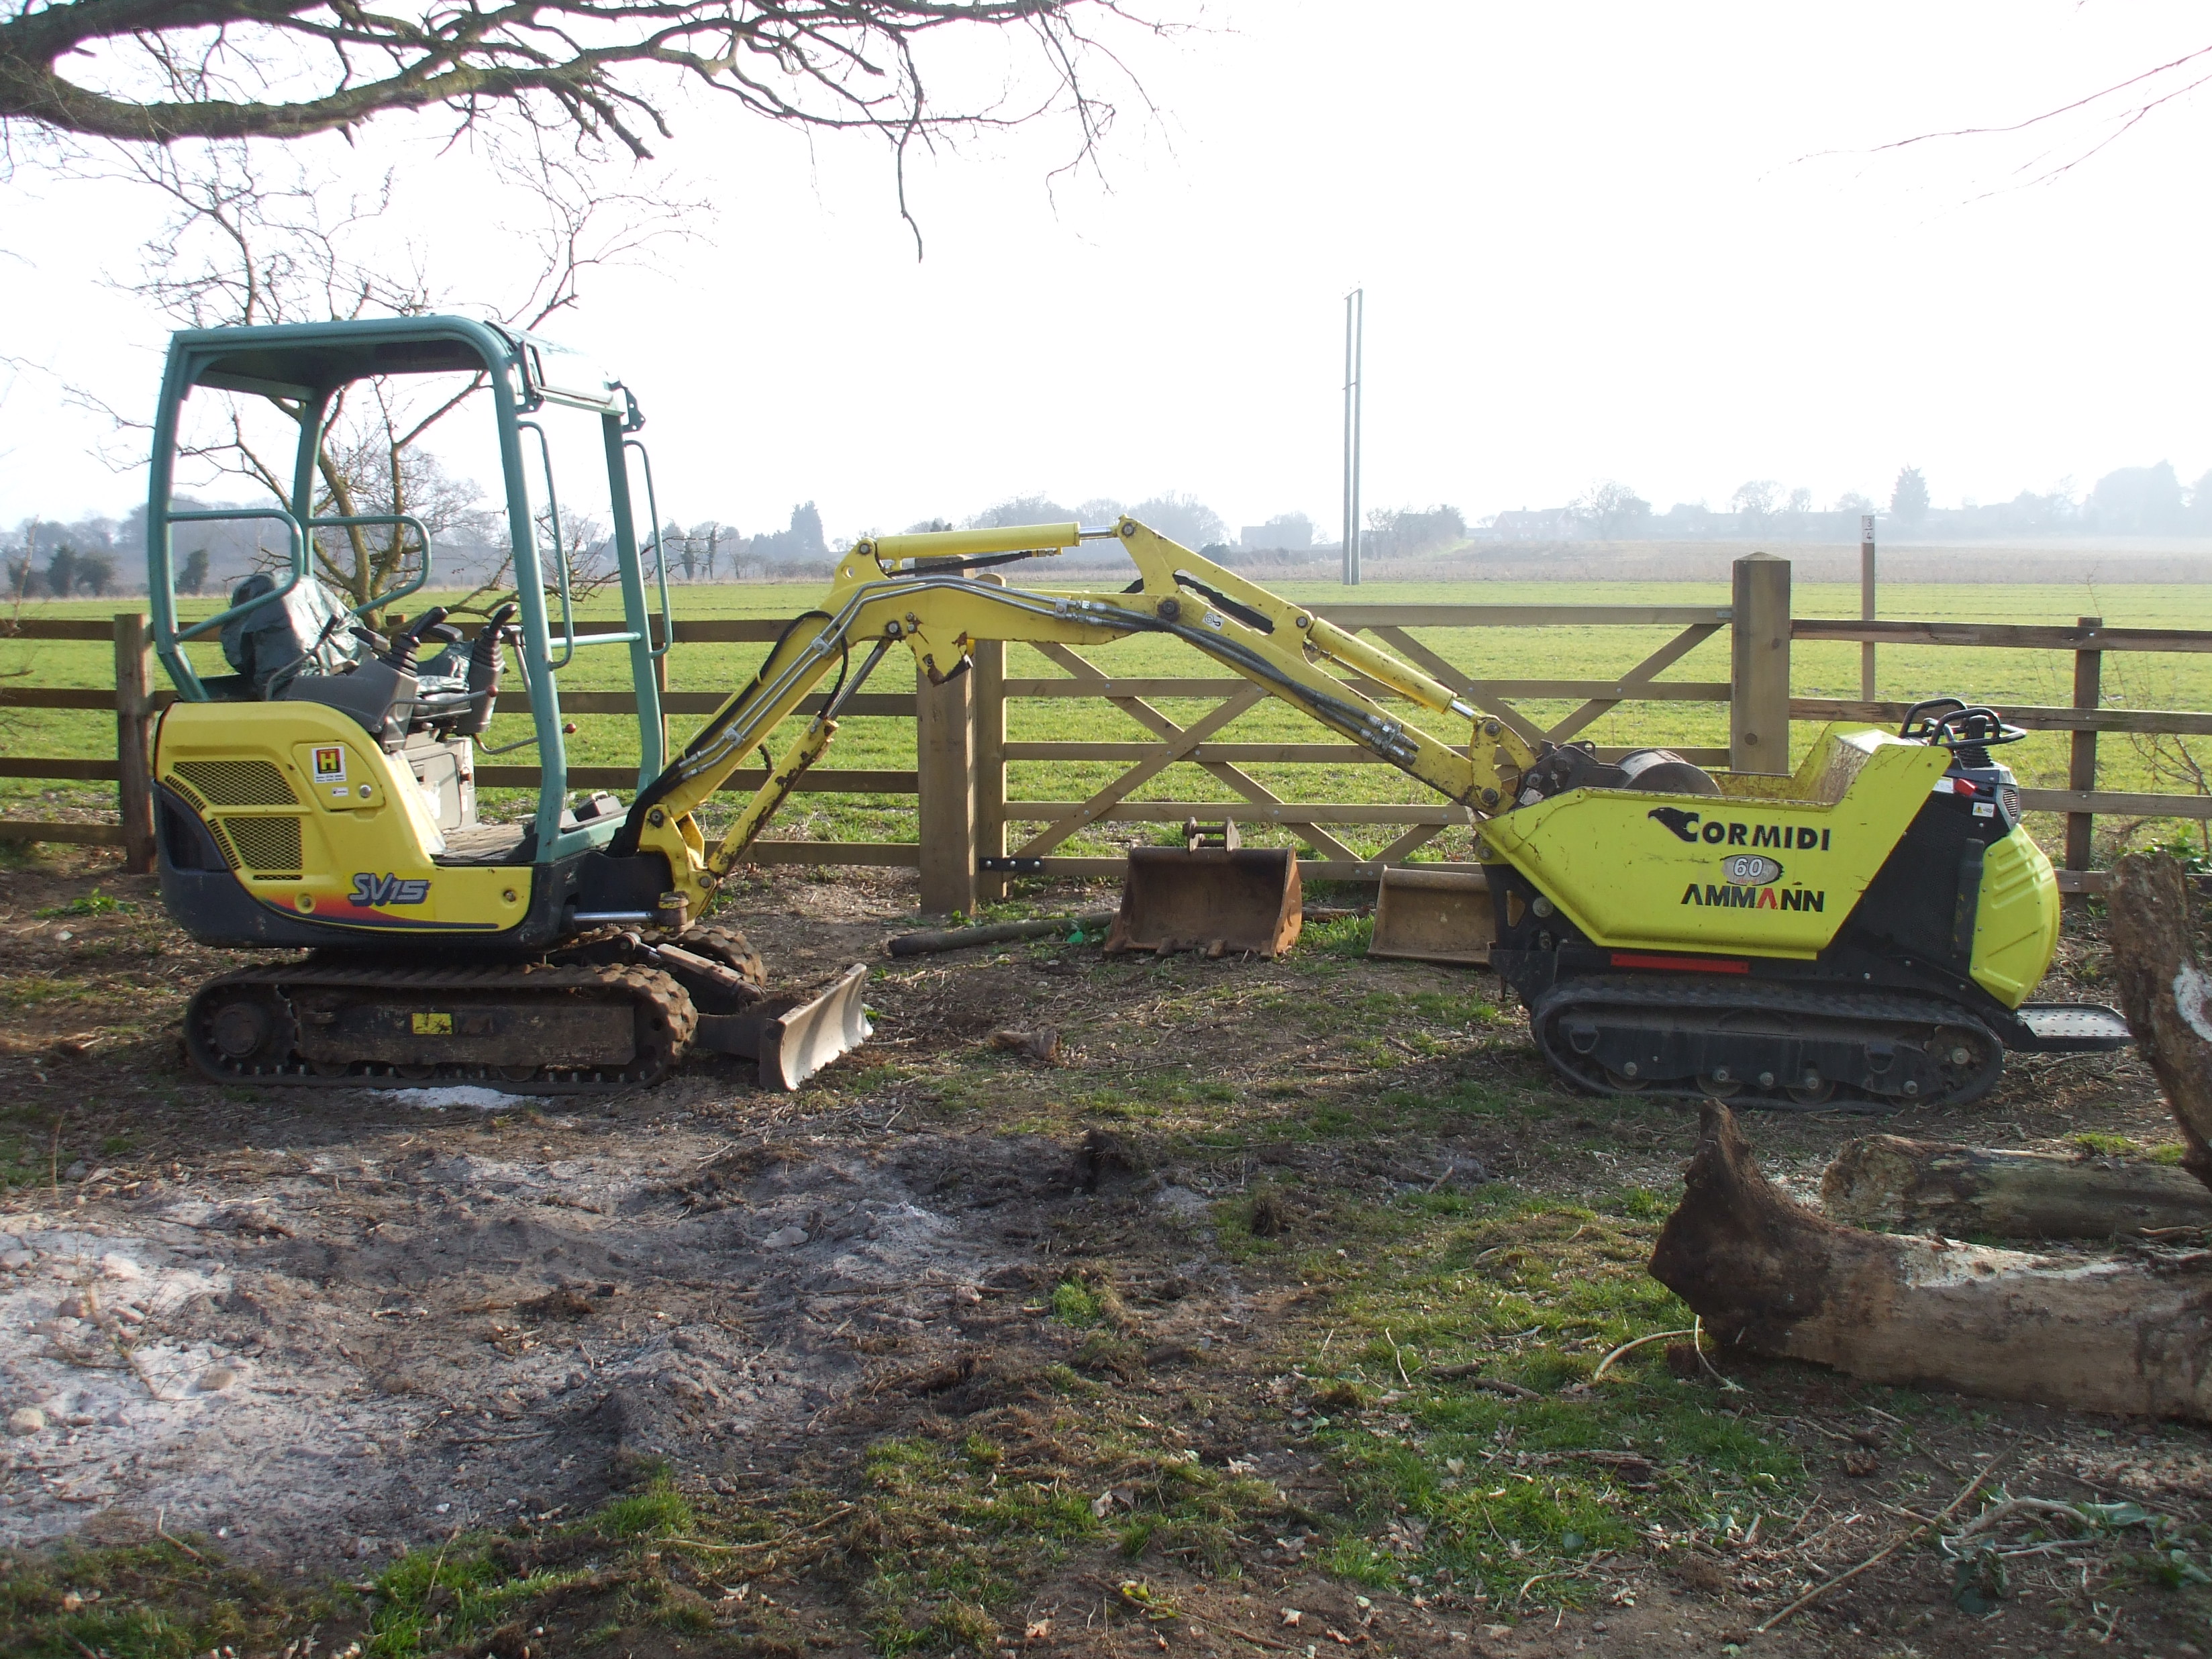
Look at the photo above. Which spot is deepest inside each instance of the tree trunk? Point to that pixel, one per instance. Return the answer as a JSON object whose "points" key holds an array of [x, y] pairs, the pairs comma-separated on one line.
{"points": [[1892, 1185], [2164, 993], [2131, 1337]]}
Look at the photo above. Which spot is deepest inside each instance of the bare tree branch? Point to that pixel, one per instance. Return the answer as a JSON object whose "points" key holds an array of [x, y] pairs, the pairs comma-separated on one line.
{"points": [[152, 71], [2154, 89]]}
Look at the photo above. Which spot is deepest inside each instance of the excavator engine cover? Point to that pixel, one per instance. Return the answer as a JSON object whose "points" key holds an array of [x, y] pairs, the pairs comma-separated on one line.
{"points": [[1434, 916], [1219, 901]]}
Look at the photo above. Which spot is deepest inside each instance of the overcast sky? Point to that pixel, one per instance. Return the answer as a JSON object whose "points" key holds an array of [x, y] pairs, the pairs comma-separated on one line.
{"points": [[1628, 241]]}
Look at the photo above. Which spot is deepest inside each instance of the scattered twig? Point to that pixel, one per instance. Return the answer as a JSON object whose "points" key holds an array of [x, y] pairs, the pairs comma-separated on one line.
{"points": [[1397, 1358], [167, 1537], [1510, 1390], [837, 1514], [1880, 1555], [1697, 1341], [1563, 1573], [1606, 1364]]}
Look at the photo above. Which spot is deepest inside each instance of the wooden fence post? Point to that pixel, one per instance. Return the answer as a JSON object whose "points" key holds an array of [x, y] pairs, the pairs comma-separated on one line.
{"points": [[134, 731], [944, 787], [1866, 605], [1759, 705], [990, 675], [2081, 761]]}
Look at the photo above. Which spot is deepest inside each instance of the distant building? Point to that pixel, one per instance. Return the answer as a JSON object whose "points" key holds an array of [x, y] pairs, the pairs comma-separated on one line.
{"points": [[1293, 532], [1548, 524]]}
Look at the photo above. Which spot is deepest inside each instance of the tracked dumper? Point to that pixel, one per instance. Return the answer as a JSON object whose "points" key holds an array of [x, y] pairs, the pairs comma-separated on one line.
{"points": [[1866, 932]]}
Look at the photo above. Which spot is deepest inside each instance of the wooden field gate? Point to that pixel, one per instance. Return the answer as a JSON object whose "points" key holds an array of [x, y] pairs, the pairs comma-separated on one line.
{"points": [[964, 820]]}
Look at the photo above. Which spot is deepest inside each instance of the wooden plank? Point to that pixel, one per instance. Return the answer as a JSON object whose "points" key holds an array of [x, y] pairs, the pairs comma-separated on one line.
{"points": [[78, 835], [1638, 684], [38, 697], [52, 766], [55, 628], [2081, 756], [2101, 881], [134, 739], [1167, 730], [1281, 754], [816, 781], [1621, 690], [2004, 635], [728, 630], [1074, 687], [1758, 709], [2172, 722], [987, 668], [1308, 869], [1158, 759], [1408, 844], [517, 701], [890, 854], [2103, 801], [1521, 616], [75, 697], [1297, 813], [944, 803]]}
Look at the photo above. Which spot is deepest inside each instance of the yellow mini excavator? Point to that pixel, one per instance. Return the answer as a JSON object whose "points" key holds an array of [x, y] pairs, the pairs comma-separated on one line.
{"points": [[1868, 930]]}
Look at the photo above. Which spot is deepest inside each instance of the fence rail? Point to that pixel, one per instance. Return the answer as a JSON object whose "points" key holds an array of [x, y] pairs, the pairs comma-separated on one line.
{"points": [[967, 822]]}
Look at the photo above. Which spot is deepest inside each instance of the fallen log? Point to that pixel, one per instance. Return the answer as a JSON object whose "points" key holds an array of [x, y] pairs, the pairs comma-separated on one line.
{"points": [[2165, 993], [997, 933], [1887, 1183], [1766, 1274]]}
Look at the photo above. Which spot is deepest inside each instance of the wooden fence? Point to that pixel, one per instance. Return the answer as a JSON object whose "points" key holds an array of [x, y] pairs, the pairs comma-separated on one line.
{"points": [[971, 838]]}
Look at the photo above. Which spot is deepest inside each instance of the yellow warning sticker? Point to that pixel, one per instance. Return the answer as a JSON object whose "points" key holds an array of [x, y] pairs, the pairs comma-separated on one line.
{"points": [[329, 763], [433, 1024]]}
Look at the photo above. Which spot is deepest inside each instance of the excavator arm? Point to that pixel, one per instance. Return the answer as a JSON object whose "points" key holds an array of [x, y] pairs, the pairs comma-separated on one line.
{"points": [[920, 591]]}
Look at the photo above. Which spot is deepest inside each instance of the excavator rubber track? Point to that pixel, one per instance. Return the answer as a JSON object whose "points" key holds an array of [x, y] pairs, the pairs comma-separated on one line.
{"points": [[1765, 1044], [534, 1030]]}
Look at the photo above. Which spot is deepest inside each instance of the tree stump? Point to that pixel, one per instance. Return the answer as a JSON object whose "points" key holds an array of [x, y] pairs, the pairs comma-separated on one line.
{"points": [[2164, 992], [1768, 1275], [1887, 1183]]}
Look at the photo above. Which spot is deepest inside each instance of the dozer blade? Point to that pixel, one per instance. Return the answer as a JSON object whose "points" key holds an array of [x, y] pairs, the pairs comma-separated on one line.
{"points": [[1434, 916], [1215, 901], [792, 1039]]}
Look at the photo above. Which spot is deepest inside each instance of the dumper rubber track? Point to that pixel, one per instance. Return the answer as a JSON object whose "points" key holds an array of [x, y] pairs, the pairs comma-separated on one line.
{"points": [[1766, 1044], [538, 1029]]}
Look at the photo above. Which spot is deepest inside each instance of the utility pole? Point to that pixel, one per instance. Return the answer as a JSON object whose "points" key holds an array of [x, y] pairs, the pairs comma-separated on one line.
{"points": [[1355, 323], [1866, 604]]}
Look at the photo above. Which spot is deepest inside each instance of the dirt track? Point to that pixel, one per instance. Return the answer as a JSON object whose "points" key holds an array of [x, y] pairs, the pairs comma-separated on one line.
{"points": [[324, 1328]]}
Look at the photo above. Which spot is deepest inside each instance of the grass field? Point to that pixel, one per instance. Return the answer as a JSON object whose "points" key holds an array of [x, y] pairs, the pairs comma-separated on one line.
{"points": [[1999, 677]]}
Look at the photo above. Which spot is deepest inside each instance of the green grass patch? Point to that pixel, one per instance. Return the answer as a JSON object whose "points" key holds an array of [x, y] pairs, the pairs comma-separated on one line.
{"points": [[1450, 1483], [165, 1600]]}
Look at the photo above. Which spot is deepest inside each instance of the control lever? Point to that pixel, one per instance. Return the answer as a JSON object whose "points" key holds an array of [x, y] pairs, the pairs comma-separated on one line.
{"points": [[431, 624], [484, 664]]}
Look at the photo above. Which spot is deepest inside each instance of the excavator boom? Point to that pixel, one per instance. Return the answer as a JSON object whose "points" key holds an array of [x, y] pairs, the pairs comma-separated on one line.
{"points": [[919, 590]]}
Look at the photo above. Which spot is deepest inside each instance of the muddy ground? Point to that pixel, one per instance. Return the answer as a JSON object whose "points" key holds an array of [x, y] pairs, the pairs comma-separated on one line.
{"points": [[1141, 1351]]}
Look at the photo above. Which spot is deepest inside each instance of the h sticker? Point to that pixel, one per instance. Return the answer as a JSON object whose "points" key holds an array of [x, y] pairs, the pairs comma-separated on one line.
{"points": [[329, 763]]}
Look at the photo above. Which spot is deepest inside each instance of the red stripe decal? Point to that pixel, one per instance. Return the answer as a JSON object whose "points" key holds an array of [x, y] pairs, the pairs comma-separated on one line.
{"points": [[1679, 964]]}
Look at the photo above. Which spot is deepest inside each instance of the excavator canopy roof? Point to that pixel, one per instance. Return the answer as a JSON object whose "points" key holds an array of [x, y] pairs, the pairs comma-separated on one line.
{"points": [[310, 360]]}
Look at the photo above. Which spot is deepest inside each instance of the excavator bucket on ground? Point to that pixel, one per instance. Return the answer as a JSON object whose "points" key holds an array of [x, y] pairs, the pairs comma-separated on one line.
{"points": [[1434, 916], [1211, 895]]}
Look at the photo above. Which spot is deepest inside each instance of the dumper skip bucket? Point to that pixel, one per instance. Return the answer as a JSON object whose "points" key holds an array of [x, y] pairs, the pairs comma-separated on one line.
{"points": [[1434, 916], [1215, 901]]}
